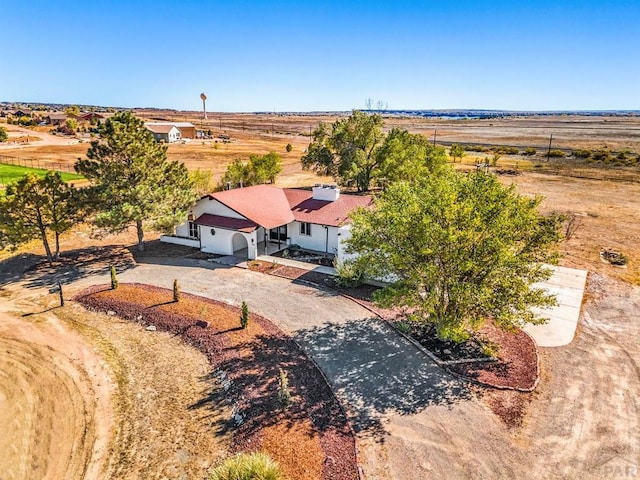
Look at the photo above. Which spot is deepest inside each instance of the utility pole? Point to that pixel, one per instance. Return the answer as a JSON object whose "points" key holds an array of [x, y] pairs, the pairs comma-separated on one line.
{"points": [[435, 134], [549, 150]]}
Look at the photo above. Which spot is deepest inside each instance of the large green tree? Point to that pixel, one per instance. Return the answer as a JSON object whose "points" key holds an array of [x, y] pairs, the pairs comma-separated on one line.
{"points": [[264, 168], [38, 207], [133, 182], [347, 151], [406, 156], [459, 248], [258, 170], [3, 135]]}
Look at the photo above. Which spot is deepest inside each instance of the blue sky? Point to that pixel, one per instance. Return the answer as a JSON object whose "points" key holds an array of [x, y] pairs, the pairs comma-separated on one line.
{"points": [[323, 55]]}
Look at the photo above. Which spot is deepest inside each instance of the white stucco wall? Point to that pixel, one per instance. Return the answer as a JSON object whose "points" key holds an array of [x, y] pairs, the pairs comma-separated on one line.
{"points": [[180, 241], [318, 238], [206, 205], [345, 234], [224, 242]]}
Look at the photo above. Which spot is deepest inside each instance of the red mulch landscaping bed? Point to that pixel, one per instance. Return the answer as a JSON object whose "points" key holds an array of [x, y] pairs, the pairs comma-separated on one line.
{"points": [[310, 438], [517, 361], [516, 366]]}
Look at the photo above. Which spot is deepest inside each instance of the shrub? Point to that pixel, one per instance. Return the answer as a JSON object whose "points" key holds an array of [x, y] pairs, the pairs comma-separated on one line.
{"points": [[3, 135], [176, 290], [248, 466], [529, 151], [556, 154], [602, 156], [489, 349], [284, 395], [288, 148], [403, 327], [505, 150], [244, 317], [349, 274], [476, 148], [114, 279], [581, 153]]}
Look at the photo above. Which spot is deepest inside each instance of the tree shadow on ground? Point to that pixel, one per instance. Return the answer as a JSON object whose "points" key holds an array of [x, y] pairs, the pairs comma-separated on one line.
{"points": [[253, 369], [72, 265], [375, 371], [161, 253]]}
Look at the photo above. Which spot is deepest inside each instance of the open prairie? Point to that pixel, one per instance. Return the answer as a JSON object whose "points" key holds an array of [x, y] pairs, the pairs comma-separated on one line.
{"points": [[602, 198]]}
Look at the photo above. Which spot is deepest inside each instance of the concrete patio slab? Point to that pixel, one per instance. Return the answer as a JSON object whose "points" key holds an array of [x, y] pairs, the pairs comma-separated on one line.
{"points": [[568, 286]]}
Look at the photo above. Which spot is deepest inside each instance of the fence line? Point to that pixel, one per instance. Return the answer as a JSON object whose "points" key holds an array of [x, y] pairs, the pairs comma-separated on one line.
{"points": [[40, 163]]}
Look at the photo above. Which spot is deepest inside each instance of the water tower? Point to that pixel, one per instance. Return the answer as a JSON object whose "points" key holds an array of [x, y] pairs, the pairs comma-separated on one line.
{"points": [[204, 106]]}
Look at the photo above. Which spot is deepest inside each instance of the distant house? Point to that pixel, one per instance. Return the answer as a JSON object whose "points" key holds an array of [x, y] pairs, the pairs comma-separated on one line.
{"points": [[261, 219], [21, 113], [164, 132], [88, 116], [56, 119], [187, 129]]}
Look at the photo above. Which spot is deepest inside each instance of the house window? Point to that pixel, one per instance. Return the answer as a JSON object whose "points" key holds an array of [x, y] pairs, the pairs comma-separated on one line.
{"points": [[305, 228], [193, 230]]}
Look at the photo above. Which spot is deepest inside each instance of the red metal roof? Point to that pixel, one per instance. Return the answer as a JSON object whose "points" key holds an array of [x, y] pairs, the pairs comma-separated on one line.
{"points": [[263, 204], [229, 223], [336, 213]]}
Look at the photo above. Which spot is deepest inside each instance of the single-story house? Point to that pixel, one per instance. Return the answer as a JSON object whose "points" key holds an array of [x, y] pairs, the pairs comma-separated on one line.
{"points": [[187, 129], [261, 219], [88, 116], [22, 113], [56, 118], [166, 132]]}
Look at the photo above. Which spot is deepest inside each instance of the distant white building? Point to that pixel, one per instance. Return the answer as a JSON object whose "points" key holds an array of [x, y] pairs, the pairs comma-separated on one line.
{"points": [[165, 132]]}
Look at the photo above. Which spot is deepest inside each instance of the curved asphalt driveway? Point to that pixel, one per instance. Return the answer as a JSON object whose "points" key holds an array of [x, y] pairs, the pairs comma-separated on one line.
{"points": [[404, 407]]}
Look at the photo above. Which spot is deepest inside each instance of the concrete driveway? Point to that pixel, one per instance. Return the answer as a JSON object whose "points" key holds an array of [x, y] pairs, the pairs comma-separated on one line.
{"points": [[568, 286]]}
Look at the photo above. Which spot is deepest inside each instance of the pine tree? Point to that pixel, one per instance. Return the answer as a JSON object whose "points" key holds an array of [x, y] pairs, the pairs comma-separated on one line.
{"points": [[114, 279], [37, 208], [244, 317], [133, 182], [176, 290]]}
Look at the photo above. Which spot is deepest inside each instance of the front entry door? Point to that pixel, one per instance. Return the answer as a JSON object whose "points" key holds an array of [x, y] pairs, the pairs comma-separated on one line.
{"points": [[278, 234]]}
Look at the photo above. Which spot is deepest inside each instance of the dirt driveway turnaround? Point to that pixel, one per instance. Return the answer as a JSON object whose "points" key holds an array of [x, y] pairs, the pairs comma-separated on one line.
{"points": [[415, 421], [55, 412]]}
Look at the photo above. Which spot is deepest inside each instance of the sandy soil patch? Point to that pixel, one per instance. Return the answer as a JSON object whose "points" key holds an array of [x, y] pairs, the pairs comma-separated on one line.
{"points": [[55, 393], [82, 399]]}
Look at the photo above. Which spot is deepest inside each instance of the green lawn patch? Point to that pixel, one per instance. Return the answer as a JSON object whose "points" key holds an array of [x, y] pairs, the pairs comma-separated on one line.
{"points": [[12, 173]]}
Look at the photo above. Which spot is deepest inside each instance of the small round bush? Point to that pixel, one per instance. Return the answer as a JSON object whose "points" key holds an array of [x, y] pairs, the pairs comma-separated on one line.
{"points": [[248, 466]]}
